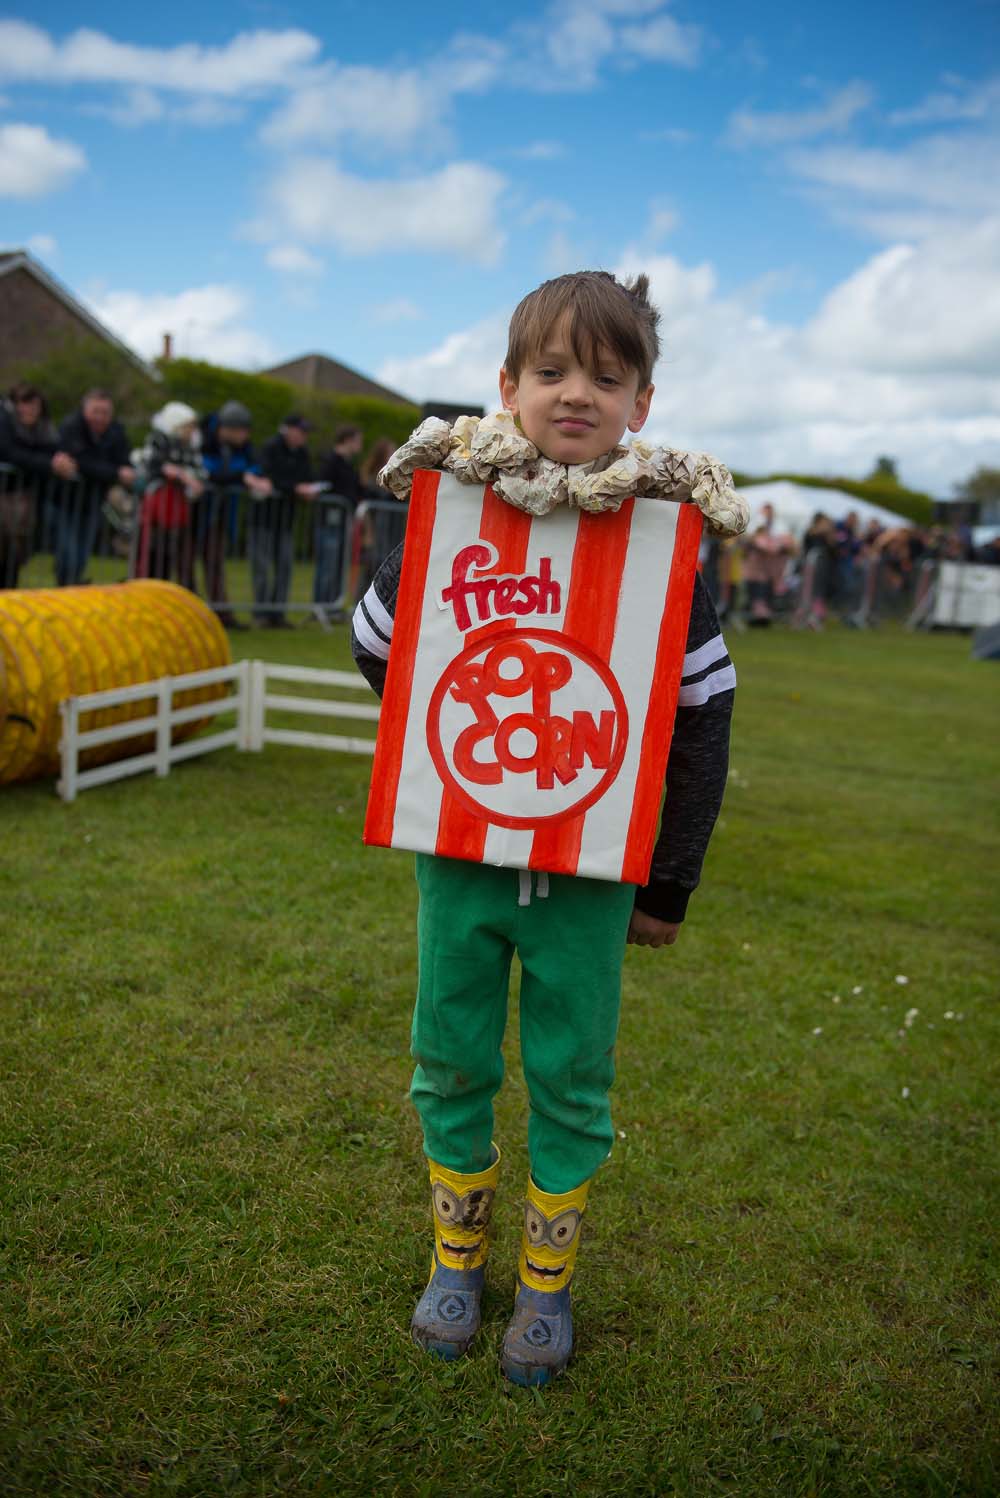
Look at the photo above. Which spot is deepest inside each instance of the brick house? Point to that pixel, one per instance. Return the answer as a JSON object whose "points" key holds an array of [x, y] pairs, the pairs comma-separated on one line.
{"points": [[39, 317], [318, 372]]}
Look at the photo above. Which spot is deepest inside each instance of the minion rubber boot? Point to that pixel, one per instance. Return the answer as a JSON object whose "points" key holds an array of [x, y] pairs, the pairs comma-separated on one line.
{"points": [[447, 1315], [539, 1340]]}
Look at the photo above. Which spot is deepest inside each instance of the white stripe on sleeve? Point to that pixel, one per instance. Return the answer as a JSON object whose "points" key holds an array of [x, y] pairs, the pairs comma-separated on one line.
{"points": [[712, 650], [699, 692], [367, 637], [378, 613]]}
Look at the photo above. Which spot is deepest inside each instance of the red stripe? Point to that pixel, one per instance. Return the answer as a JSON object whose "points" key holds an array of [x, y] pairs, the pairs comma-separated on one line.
{"points": [[667, 672], [591, 616], [460, 834], [388, 760]]}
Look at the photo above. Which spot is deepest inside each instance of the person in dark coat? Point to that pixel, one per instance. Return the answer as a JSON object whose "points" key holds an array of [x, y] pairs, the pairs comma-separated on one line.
{"points": [[28, 445], [333, 523], [99, 448], [285, 460]]}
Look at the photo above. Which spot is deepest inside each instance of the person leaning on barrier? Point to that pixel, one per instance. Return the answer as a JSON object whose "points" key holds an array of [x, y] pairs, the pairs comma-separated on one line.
{"points": [[333, 521], [232, 469], [373, 542], [172, 478], [28, 445], [285, 461], [98, 447]]}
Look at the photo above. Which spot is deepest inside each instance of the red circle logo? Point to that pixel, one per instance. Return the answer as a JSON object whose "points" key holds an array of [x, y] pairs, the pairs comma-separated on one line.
{"points": [[527, 727]]}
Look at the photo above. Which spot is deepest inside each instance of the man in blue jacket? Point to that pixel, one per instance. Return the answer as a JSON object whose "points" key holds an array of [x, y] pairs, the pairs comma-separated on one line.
{"points": [[231, 466]]}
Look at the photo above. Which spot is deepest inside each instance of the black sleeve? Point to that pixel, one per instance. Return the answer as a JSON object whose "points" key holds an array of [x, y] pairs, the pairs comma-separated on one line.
{"points": [[342, 477], [156, 454], [371, 627], [697, 766], [102, 463], [34, 461]]}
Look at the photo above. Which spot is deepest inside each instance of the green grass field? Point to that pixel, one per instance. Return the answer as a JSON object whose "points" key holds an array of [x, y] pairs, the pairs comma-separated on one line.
{"points": [[214, 1219]]}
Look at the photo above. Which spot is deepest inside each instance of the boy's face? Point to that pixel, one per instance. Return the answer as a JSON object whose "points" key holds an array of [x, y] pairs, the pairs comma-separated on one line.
{"points": [[572, 413]]}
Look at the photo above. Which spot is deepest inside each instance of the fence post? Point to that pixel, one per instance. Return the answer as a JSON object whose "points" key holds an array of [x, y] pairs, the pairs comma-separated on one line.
{"points": [[70, 714], [243, 704], [258, 687], [164, 704]]}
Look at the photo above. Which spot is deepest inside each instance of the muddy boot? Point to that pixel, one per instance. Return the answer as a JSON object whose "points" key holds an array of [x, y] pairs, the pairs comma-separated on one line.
{"points": [[447, 1314], [539, 1339]]}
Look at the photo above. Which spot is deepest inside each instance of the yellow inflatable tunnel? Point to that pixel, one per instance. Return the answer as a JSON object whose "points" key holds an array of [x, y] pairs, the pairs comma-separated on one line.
{"points": [[64, 642]]}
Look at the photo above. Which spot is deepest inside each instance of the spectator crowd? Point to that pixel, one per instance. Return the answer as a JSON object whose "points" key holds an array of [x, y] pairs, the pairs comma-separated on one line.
{"points": [[843, 567], [196, 496], [199, 494]]}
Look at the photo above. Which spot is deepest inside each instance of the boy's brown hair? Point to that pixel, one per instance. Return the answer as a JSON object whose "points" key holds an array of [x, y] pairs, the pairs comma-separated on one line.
{"points": [[603, 312]]}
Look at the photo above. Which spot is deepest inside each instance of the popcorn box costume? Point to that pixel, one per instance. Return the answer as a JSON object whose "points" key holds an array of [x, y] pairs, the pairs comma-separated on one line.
{"points": [[536, 664]]}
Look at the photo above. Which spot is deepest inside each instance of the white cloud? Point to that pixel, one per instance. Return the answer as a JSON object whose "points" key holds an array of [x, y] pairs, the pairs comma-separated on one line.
{"points": [[252, 61], [43, 245], [451, 211], [371, 106], [570, 43], [918, 382], [671, 135], [464, 367], [138, 106], [293, 260], [924, 308], [400, 309], [541, 150], [33, 163], [663, 220], [959, 100], [747, 127], [552, 209], [207, 322], [940, 179], [563, 254], [664, 40]]}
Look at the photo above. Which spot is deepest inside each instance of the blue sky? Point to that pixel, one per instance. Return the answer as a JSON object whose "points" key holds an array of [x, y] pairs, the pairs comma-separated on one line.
{"points": [[814, 194]]}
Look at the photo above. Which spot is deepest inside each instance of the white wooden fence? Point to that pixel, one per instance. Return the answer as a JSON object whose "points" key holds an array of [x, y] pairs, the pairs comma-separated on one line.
{"points": [[249, 697]]}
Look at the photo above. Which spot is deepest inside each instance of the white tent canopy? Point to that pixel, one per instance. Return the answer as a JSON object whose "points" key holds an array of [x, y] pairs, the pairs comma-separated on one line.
{"points": [[796, 504]]}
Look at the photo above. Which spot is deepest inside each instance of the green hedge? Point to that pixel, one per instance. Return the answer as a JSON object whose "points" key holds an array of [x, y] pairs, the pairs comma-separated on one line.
{"points": [[912, 503], [78, 365], [269, 401]]}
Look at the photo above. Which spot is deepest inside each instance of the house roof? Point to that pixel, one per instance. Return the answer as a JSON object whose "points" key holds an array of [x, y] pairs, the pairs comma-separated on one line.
{"points": [[12, 260], [320, 372]]}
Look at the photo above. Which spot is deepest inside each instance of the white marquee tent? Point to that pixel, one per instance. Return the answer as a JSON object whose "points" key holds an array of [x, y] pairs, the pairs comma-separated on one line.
{"points": [[796, 504]]}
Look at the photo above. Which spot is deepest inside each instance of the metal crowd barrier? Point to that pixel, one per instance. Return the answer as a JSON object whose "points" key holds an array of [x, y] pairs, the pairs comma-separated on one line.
{"points": [[956, 595], [379, 527], [875, 588], [274, 557], [271, 558], [60, 530]]}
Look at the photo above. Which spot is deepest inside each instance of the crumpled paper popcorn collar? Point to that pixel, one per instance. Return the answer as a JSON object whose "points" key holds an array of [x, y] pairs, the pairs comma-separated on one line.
{"points": [[492, 450]]}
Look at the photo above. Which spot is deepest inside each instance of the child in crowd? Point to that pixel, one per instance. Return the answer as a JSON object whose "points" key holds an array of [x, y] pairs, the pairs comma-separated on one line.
{"points": [[577, 375], [172, 477]]}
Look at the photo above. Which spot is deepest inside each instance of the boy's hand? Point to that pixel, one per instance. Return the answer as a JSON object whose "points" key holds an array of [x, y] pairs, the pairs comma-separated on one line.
{"points": [[646, 931]]}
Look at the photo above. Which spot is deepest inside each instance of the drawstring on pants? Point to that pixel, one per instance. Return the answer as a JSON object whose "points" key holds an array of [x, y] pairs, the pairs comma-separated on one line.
{"points": [[524, 886]]}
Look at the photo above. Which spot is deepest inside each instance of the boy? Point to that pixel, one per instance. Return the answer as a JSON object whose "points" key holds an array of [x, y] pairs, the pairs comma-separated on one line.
{"points": [[577, 375]]}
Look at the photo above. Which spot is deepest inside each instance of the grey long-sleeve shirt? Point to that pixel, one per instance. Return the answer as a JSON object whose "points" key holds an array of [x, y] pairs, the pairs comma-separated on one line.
{"points": [[698, 763]]}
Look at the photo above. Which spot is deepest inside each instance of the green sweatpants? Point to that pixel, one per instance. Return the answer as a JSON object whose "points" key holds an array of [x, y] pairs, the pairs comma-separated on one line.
{"points": [[571, 942]]}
